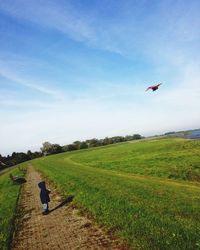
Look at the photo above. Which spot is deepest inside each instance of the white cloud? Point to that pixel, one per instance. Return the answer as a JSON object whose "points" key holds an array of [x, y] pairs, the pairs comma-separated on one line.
{"points": [[67, 122], [132, 30]]}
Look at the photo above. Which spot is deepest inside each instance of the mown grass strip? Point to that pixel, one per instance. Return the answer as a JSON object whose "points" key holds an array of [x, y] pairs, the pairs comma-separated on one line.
{"points": [[146, 212], [169, 158], [9, 194]]}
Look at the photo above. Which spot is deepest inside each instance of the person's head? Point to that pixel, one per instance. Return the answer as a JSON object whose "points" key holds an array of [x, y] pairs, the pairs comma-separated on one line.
{"points": [[42, 185]]}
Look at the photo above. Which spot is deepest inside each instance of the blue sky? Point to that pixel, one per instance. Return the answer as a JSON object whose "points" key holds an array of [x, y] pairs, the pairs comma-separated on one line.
{"points": [[73, 70]]}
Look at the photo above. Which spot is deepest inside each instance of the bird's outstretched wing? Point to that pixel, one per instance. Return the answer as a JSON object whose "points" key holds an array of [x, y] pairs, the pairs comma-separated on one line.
{"points": [[148, 88]]}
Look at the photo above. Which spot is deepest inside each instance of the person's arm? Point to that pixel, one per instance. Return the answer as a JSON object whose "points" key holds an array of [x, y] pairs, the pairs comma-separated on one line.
{"points": [[48, 191]]}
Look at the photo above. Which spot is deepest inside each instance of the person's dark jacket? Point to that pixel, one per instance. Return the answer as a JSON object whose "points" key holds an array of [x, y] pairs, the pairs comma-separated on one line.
{"points": [[44, 193]]}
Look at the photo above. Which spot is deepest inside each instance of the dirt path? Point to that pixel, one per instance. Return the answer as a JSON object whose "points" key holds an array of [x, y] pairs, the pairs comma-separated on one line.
{"points": [[62, 228]]}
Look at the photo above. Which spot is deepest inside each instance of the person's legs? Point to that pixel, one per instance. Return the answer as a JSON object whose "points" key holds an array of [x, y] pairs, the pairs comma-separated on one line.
{"points": [[45, 208]]}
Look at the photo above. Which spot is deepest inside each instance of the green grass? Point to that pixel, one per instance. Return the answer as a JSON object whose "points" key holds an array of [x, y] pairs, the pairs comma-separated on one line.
{"points": [[172, 158], [125, 187], [8, 198]]}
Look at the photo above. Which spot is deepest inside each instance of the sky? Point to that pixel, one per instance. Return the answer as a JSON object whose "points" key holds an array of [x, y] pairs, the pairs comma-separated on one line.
{"points": [[75, 70]]}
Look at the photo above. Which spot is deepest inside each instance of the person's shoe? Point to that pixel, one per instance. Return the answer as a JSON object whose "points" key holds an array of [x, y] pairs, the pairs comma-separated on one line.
{"points": [[45, 212]]}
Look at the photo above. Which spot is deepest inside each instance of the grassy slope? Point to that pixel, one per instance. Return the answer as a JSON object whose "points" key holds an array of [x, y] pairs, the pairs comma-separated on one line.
{"points": [[148, 212], [8, 198], [173, 158]]}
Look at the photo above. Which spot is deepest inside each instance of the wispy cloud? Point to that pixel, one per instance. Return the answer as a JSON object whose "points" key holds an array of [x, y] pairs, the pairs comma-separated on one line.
{"points": [[28, 83], [139, 28], [53, 15]]}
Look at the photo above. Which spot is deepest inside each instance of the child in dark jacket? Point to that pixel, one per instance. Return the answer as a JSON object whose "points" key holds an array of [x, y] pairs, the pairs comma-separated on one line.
{"points": [[44, 196]]}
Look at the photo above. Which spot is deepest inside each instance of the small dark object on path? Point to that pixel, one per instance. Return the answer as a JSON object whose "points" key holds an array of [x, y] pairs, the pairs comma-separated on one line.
{"points": [[17, 180]]}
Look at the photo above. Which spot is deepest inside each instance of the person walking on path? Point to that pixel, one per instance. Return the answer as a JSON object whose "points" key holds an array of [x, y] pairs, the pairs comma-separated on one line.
{"points": [[44, 197]]}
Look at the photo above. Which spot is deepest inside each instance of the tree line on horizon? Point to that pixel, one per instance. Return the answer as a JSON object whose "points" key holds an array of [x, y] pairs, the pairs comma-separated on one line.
{"points": [[49, 148]]}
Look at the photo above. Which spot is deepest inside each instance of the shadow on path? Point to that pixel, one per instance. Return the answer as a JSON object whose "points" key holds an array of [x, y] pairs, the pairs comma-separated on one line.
{"points": [[66, 201]]}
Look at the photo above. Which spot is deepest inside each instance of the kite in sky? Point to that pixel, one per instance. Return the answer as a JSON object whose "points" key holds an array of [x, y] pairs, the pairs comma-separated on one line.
{"points": [[154, 87]]}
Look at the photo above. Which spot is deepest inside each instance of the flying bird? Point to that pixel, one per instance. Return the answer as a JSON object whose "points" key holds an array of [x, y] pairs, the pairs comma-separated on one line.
{"points": [[154, 87]]}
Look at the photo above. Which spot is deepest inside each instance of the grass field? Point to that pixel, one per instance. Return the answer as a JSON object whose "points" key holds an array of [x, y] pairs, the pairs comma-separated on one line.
{"points": [[126, 188], [172, 158], [8, 197]]}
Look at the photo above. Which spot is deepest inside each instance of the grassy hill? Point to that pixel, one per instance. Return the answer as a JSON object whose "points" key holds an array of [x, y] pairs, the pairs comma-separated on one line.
{"points": [[126, 188], [172, 158]]}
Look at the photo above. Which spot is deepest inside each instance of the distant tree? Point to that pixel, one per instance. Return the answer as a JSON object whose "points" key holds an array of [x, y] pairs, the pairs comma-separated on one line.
{"points": [[71, 147], [117, 139], [56, 148], [136, 137], [106, 141], [92, 142], [128, 137], [17, 158], [77, 143], [65, 148], [49, 148], [29, 154], [46, 148], [100, 143], [36, 155], [83, 145], [2, 163]]}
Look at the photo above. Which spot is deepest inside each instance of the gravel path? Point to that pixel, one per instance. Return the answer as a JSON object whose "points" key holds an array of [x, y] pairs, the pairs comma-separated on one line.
{"points": [[62, 228]]}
